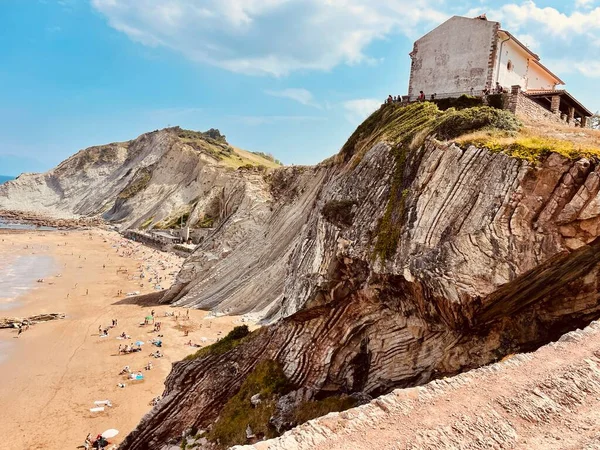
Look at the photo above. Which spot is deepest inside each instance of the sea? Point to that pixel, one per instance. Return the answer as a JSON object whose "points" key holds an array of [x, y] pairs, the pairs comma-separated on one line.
{"points": [[4, 178]]}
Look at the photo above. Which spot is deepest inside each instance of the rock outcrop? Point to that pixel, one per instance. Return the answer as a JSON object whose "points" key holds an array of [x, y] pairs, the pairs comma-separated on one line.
{"points": [[16, 322], [155, 179], [407, 259]]}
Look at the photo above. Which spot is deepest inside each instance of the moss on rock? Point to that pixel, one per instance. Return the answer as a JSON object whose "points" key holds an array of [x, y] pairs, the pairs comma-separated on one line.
{"points": [[267, 380]]}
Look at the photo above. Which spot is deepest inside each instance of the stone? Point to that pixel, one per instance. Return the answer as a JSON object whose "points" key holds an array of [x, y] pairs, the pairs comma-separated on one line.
{"points": [[255, 400]]}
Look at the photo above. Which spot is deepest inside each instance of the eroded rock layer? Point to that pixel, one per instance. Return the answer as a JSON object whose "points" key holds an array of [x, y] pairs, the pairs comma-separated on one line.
{"points": [[543, 400], [394, 268]]}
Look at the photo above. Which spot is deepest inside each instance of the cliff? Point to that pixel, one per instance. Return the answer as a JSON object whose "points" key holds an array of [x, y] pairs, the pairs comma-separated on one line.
{"points": [[406, 258], [153, 180], [543, 400]]}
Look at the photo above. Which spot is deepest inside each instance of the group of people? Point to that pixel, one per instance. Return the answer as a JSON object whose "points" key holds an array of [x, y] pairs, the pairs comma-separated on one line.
{"points": [[125, 349], [100, 442], [394, 99], [498, 89]]}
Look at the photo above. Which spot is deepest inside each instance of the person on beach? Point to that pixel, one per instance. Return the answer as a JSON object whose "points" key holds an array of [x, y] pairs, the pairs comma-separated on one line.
{"points": [[20, 331], [99, 330], [88, 442]]}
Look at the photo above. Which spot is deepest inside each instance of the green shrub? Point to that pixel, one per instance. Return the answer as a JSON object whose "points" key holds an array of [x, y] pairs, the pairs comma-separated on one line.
{"points": [[268, 380], [496, 101], [454, 123], [232, 340], [462, 102]]}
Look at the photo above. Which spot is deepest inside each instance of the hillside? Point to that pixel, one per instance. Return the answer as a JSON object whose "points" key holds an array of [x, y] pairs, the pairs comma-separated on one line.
{"points": [[152, 179], [408, 257]]}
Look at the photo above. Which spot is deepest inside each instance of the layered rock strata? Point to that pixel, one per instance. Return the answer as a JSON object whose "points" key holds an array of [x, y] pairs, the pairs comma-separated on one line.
{"points": [[436, 262], [548, 399]]}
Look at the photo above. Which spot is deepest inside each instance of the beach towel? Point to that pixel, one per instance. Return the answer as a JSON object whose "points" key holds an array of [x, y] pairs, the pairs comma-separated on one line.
{"points": [[98, 409]]}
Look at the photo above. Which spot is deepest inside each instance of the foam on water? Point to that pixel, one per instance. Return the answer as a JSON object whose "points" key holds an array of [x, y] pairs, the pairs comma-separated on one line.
{"points": [[19, 274], [23, 226]]}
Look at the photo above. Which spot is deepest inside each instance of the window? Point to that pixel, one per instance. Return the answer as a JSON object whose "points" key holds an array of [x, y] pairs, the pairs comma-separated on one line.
{"points": [[509, 66]]}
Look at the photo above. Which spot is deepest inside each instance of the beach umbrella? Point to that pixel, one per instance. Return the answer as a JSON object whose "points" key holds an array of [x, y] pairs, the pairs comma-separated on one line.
{"points": [[138, 343], [110, 433]]}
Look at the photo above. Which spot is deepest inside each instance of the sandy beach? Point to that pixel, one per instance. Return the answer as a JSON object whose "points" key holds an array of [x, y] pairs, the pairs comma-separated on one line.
{"points": [[52, 374]]}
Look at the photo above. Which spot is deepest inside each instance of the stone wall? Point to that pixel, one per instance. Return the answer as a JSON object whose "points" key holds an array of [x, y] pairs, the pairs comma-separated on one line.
{"points": [[522, 106]]}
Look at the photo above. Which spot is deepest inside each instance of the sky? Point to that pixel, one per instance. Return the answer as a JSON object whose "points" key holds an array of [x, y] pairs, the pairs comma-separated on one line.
{"points": [[289, 77]]}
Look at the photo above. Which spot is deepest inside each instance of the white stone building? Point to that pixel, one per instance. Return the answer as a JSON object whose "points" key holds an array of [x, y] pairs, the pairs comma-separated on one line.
{"points": [[467, 56]]}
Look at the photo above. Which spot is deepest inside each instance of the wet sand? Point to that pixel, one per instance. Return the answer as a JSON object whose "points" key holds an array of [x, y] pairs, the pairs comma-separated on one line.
{"points": [[53, 373]]}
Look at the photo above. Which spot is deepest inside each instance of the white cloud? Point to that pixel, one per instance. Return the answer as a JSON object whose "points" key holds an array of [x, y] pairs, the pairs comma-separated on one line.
{"points": [[302, 96], [359, 109], [554, 22], [584, 4], [273, 37], [554, 34], [589, 69]]}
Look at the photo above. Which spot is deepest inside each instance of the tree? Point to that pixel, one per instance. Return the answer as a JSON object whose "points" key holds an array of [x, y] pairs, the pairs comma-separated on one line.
{"points": [[594, 121]]}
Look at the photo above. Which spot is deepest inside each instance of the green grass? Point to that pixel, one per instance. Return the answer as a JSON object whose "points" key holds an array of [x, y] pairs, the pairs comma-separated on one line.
{"points": [[232, 340], [529, 147], [147, 223], [268, 380], [313, 409], [268, 157]]}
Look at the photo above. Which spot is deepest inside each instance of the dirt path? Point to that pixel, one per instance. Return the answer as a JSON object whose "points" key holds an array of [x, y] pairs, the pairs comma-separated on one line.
{"points": [[55, 371]]}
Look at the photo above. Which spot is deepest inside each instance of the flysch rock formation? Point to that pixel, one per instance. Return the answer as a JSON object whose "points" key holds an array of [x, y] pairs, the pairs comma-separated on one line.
{"points": [[155, 178], [549, 399], [389, 268]]}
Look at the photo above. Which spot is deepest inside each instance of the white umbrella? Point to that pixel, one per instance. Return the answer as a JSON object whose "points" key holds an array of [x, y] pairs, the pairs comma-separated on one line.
{"points": [[110, 433]]}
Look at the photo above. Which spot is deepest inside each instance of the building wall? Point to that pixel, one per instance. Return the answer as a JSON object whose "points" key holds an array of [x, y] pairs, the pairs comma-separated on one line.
{"points": [[511, 51], [538, 78], [454, 57]]}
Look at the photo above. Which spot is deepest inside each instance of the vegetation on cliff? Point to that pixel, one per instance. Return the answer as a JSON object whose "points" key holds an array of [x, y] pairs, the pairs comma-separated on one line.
{"points": [[140, 180], [269, 382], [399, 124], [532, 145], [232, 340], [405, 128]]}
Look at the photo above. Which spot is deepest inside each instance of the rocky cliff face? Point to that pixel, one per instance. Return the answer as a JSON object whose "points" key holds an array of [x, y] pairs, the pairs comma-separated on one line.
{"points": [[153, 179], [543, 400], [406, 259]]}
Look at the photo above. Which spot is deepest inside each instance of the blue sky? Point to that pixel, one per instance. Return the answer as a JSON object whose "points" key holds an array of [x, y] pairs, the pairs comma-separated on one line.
{"points": [[289, 77]]}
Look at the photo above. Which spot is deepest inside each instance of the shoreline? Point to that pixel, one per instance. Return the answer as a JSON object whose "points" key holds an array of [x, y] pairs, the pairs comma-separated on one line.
{"points": [[55, 371]]}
